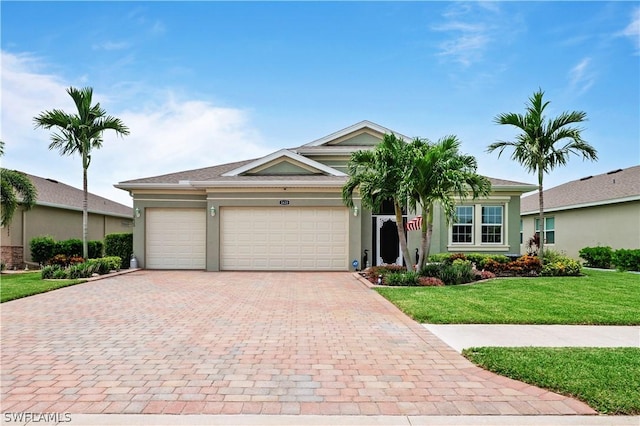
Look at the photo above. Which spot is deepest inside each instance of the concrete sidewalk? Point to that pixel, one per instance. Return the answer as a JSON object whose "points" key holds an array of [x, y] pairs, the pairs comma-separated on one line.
{"points": [[474, 335], [265, 420]]}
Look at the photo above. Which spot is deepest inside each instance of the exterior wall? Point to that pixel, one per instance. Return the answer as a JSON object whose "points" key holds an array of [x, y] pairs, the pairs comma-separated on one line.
{"points": [[614, 225], [59, 223]]}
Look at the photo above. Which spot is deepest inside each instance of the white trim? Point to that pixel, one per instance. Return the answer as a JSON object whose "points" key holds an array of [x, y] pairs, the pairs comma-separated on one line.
{"points": [[284, 153], [353, 128], [268, 183], [583, 205], [484, 247]]}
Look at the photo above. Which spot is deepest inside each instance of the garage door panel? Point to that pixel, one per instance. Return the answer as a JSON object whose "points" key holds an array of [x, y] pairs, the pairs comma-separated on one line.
{"points": [[175, 238], [284, 238]]}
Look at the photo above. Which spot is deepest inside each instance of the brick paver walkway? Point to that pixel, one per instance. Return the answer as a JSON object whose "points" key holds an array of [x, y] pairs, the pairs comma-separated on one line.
{"points": [[251, 343]]}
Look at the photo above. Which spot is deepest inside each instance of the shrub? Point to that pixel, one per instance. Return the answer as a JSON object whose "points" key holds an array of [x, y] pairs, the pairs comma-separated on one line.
{"points": [[524, 265], [96, 249], [70, 248], [59, 259], [430, 282], [627, 260], [459, 272], [493, 266], [104, 265], [431, 270], [597, 257], [439, 257], [60, 274], [42, 248], [409, 278], [121, 245], [483, 275], [47, 272], [561, 267], [3, 265]]}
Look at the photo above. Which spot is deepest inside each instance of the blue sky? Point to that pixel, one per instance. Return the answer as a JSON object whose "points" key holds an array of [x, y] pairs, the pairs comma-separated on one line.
{"points": [[205, 83]]}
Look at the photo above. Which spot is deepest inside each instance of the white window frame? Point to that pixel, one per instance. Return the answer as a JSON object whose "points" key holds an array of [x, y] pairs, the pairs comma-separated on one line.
{"points": [[477, 245], [491, 224], [472, 224]]}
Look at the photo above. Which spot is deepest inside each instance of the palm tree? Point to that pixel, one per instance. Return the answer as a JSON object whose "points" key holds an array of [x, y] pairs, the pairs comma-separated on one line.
{"points": [[12, 184], [376, 174], [80, 133], [438, 174], [543, 144]]}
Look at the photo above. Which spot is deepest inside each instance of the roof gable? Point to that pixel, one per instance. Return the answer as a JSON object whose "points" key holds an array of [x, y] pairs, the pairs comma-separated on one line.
{"points": [[364, 133], [283, 160]]}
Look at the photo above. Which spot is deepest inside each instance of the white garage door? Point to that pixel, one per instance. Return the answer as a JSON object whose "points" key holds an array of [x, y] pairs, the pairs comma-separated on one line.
{"points": [[176, 238], [284, 238]]}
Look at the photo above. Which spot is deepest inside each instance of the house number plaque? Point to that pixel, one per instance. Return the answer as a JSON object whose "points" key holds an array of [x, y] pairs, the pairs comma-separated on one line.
{"points": [[284, 202]]}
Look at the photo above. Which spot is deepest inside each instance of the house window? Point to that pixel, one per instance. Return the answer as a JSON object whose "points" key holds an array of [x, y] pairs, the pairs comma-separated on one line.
{"points": [[492, 224], [462, 231], [549, 229]]}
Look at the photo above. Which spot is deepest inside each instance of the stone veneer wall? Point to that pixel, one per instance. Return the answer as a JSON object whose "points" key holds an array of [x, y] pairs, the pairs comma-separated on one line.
{"points": [[12, 256]]}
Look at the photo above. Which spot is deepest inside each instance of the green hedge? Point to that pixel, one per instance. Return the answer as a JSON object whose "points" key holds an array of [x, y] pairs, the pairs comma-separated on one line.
{"points": [[627, 260], [121, 245], [597, 257], [42, 249], [45, 248]]}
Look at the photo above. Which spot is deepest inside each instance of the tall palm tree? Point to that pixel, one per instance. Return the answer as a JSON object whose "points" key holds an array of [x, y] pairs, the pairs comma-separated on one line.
{"points": [[81, 133], [376, 174], [12, 185], [438, 175], [544, 144]]}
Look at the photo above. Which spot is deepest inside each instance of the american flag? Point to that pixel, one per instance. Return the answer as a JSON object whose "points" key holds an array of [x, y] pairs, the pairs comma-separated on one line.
{"points": [[415, 224]]}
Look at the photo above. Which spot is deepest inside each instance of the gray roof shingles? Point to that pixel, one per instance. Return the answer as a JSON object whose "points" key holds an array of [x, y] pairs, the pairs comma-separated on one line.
{"points": [[52, 192], [603, 188]]}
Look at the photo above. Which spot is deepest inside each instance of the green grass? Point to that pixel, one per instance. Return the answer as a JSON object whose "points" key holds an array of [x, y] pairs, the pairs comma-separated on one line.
{"points": [[599, 297], [15, 286], [607, 379]]}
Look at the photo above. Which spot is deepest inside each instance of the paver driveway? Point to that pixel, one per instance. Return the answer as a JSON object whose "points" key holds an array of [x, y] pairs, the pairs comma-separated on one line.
{"points": [[268, 343]]}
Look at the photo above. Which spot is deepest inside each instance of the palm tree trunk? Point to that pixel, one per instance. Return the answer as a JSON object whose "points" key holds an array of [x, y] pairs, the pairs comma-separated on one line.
{"points": [[85, 207], [541, 214], [425, 238], [402, 235]]}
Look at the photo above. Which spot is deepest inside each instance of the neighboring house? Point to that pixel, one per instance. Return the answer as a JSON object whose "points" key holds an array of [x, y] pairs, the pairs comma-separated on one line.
{"points": [[601, 210], [284, 211], [58, 213]]}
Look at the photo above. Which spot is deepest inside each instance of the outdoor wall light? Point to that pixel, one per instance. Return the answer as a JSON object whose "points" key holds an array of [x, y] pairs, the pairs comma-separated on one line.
{"points": [[212, 210], [355, 211], [137, 212]]}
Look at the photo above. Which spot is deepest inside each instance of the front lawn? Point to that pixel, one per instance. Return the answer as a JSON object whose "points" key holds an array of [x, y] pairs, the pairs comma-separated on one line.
{"points": [[15, 286], [604, 378], [599, 297]]}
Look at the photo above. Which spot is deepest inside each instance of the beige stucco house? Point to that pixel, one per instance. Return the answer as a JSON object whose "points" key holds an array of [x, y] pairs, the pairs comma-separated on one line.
{"points": [[600, 210], [58, 213], [284, 211]]}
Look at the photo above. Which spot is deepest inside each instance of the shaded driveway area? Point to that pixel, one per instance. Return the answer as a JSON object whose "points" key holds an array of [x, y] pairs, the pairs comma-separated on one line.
{"points": [[241, 343]]}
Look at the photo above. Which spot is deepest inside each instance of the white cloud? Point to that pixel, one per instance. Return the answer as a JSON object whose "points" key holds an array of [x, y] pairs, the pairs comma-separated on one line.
{"points": [[469, 29], [581, 76], [168, 135], [633, 29]]}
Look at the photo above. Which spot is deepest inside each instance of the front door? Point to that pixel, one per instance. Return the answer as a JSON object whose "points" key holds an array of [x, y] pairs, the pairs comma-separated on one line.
{"points": [[387, 241]]}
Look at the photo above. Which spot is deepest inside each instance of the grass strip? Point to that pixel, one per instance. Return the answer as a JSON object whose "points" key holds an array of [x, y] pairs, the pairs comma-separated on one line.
{"points": [[16, 286], [607, 379], [598, 297]]}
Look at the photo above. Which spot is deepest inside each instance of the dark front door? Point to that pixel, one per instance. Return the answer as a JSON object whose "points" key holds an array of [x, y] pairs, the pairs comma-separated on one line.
{"points": [[387, 241]]}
